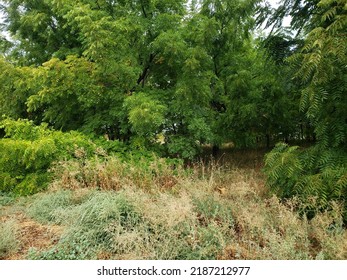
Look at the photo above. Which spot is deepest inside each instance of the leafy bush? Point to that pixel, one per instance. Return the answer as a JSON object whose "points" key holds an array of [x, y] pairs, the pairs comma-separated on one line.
{"points": [[320, 171], [308, 173], [28, 151]]}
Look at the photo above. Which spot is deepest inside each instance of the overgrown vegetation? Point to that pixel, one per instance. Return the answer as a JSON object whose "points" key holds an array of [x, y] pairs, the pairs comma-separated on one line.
{"points": [[107, 106], [28, 152], [210, 214], [320, 171], [317, 177]]}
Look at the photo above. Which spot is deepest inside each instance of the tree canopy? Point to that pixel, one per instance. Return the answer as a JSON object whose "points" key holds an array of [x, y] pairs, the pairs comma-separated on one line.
{"points": [[142, 69]]}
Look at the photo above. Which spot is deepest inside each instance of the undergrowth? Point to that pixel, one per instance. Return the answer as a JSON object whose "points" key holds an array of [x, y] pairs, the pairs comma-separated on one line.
{"points": [[218, 215], [316, 172], [8, 238], [112, 173], [109, 208]]}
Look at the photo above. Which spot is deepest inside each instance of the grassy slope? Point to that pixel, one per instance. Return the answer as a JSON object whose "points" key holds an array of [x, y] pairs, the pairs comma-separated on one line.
{"points": [[212, 213]]}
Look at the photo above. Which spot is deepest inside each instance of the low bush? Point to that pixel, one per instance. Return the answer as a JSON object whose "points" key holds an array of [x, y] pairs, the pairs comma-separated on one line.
{"points": [[27, 152], [318, 177]]}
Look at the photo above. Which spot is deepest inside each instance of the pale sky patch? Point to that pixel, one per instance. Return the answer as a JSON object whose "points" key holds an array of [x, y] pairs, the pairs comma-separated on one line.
{"points": [[276, 4]]}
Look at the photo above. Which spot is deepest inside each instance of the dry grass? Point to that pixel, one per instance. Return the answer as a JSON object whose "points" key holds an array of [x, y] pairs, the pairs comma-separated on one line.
{"points": [[211, 212], [8, 241], [113, 174], [18, 234]]}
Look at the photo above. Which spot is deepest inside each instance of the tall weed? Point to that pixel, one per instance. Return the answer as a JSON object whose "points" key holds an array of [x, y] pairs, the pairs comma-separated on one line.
{"points": [[113, 173]]}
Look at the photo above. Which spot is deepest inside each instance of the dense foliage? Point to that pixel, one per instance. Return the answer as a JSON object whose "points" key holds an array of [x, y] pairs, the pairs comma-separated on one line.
{"points": [[171, 76], [142, 70], [27, 152], [320, 171]]}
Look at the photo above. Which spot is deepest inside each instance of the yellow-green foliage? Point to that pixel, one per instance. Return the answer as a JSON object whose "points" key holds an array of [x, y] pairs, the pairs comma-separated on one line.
{"points": [[27, 152], [145, 114]]}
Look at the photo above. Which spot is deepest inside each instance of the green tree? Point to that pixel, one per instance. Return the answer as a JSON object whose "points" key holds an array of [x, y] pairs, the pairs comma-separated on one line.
{"points": [[14, 89], [321, 170], [38, 30], [107, 62], [301, 13]]}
